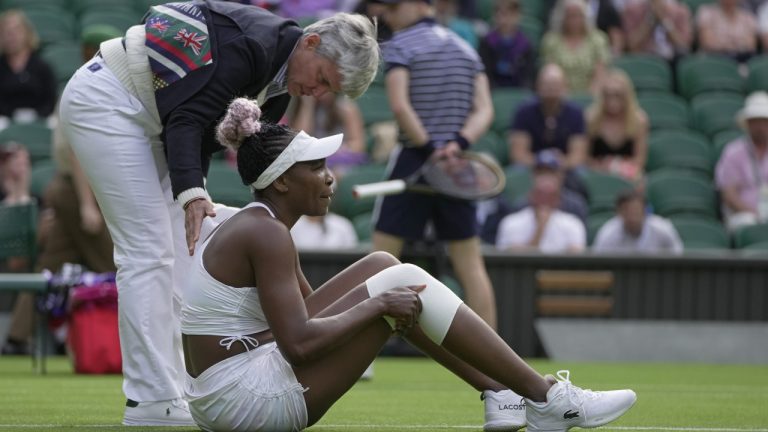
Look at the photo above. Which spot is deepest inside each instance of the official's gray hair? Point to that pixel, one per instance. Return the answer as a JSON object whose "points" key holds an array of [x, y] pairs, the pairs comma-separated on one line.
{"points": [[349, 40], [558, 15]]}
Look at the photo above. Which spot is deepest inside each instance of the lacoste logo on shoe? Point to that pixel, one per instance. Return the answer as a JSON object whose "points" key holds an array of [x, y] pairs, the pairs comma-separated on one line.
{"points": [[513, 407], [569, 415]]}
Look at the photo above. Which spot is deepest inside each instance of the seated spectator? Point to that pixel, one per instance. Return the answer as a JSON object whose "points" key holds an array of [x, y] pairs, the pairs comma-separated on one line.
{"points": [[725, 28], [490, 212], [329, 115], [506, 52], [548, 122], [574, 44], [329, 232], [632, 230], [603, 15], [617, 129], [15, 171], [446, 14], [27, 83], [542, 226], [742, 171], [660, 27], [762, 26]]}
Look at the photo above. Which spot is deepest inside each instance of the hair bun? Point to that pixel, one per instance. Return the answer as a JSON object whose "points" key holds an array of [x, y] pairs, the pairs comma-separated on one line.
{"points": [[240, 122]]}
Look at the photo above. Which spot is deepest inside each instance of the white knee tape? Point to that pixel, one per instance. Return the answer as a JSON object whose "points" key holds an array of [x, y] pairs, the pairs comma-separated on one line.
{"points": [[439, 303]]}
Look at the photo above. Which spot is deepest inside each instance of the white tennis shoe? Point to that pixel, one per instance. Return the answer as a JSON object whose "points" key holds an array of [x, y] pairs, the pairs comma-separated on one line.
{"points": [[174, 412], [569, 406], [504, 411]]}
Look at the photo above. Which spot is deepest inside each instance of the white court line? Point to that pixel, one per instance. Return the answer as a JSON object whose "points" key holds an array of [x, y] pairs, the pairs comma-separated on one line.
{"points": [[419, 426]]}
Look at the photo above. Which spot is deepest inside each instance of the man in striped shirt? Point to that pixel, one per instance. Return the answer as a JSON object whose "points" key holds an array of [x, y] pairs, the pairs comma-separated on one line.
{"points": [[440, 97]]}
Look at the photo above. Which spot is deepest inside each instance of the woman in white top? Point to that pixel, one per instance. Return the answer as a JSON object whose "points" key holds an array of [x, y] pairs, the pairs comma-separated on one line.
{"points": [[264, 351]]}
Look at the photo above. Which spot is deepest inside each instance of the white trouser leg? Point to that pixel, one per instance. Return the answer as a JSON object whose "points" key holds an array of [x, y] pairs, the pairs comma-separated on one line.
{"points": [[439, 304], [118, 145]]}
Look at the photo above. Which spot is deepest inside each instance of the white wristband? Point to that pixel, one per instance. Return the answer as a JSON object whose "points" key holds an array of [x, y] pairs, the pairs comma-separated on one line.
{"points": [[191, 194]]}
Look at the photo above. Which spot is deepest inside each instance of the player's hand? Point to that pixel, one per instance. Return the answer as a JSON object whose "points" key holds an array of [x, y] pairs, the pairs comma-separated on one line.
{"points": [[194, 214], [449, 151], [403, 304]]}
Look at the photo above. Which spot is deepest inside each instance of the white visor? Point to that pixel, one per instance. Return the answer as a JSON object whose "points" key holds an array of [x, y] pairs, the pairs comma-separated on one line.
{"points": [[302, 148]]}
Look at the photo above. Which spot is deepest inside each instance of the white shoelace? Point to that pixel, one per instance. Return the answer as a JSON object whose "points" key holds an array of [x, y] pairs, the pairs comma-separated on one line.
{"points": [[575, 394], [245, 340]]}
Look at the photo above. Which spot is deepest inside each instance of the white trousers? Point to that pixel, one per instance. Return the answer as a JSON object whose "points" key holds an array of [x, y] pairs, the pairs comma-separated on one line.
{"points": [[118, 145]]}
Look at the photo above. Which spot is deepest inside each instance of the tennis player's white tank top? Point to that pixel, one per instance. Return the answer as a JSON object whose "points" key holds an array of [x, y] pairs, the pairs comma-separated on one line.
{"points": [[214, 308]]}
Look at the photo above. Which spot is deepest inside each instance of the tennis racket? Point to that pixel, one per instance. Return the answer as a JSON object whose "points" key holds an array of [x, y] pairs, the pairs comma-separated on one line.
{"points": [[467, 176]]}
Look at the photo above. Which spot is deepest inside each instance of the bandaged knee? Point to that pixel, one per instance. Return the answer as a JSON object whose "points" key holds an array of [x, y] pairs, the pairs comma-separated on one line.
{"points": [[439, 303]]}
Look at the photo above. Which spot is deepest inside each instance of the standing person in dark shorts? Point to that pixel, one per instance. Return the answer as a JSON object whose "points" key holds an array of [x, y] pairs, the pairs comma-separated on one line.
{"points": [[440, 96]]}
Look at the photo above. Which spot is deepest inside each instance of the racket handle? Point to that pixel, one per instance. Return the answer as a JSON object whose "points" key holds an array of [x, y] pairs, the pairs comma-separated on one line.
{"points": [[379, 188]]}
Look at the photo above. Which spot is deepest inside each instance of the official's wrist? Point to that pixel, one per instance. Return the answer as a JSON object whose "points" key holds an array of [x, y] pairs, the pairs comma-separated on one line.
{"points": [[192, 194]]}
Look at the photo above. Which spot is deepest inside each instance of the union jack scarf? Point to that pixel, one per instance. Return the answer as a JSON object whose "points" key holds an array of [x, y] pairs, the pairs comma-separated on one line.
{"points": [[177, 42]]}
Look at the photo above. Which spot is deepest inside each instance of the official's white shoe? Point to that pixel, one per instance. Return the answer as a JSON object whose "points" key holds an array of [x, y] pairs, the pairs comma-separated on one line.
{"points": [[174, 412], [569, 406], [504, 411]]}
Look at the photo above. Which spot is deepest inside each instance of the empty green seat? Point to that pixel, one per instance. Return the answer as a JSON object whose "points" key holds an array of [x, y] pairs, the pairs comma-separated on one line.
{"points": [[519, 182], [675, 192], [363, 224], [225, 186], [119, 19], [698, 74], [722, 139], [603, 189], [646, 72], [701, 233], [758, 73], [494, 145], [665, 110], [65, 58], [751, 235], [715, 112], [595, 222], [52, 25], [532, 28], [344, 203], [679, 149], [505, 104], [374, 106]]}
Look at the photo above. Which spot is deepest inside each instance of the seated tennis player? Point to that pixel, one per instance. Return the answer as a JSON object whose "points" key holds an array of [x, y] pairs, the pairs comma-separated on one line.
{"points": [[264, 352]]}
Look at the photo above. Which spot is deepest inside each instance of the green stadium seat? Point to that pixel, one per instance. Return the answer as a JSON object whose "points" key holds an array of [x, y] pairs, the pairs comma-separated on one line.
{"points": [[36, 137], [701, 233], [519, 182], [532, 28], [646, 72], [665, 110], [582, 99], [698, 74], [603, 189], [120, 19], [675, 192], [363, 224], [52, 25], [595, 222], [65, 58], [374, 106], [721, 139], [505, 104], [494, 145], [225, 185], [344, 203], [142, 6], [18, 232], [535, 8], [679, 149], [715, 112], [82, 7], [695, 4], [25, 5], [751, 235], [42, 173], [758, 73]]}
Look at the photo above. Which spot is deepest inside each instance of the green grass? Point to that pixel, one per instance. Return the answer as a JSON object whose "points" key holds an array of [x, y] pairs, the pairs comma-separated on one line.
{"points": [[417, 395]]}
